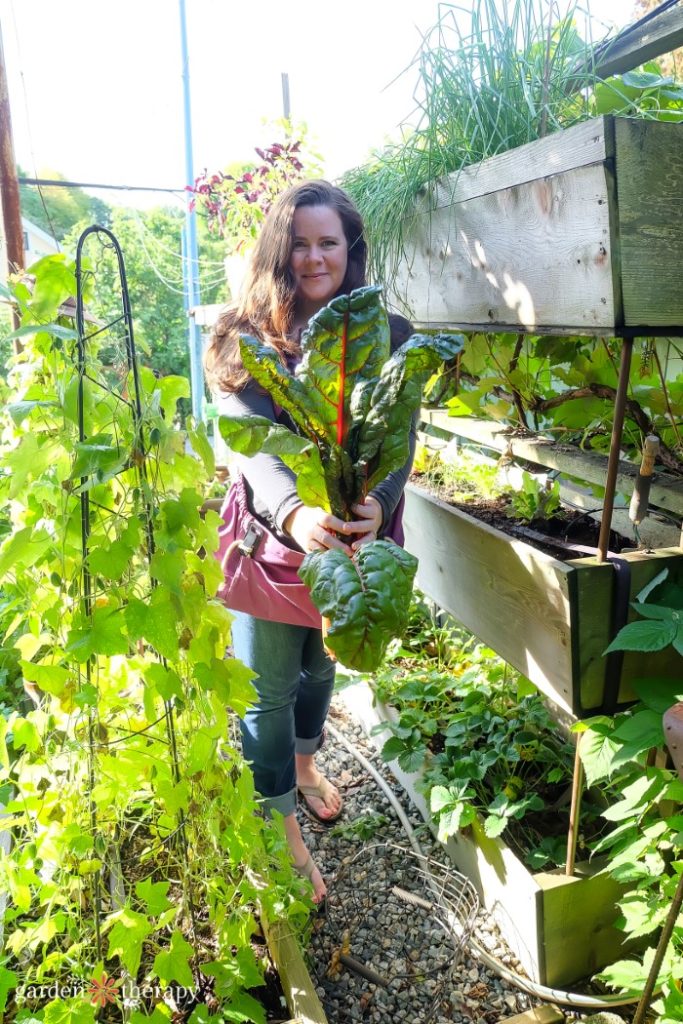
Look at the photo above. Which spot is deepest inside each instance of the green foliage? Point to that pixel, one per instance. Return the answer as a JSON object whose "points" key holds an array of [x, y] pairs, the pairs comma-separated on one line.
{"points": [[58, 208], [363, 597], [136, 838], [505, 79], [535, 499], [481, 737], [353, 402], [644, 845]]}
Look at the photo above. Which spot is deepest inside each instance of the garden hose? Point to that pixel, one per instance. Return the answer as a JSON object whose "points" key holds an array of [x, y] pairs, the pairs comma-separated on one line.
{"points": [[542, 992]]}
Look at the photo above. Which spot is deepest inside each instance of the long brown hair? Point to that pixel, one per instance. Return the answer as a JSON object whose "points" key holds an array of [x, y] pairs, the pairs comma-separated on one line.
{"points": [[266, 305]]}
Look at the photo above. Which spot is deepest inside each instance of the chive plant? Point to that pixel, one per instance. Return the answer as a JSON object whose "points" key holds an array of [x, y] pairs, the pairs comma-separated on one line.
{"points": [[489, 79]]}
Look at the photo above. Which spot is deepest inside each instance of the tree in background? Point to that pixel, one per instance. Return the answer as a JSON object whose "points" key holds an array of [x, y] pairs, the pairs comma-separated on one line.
{"points": [[670, 63], [56, 208]]}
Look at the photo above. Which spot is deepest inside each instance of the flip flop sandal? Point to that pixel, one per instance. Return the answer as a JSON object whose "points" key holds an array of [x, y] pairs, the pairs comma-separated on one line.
{"points": [[321, 790], [306, 870]]}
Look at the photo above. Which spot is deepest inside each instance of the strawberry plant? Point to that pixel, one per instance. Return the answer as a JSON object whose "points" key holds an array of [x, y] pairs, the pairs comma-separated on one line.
{"points": [[137, 854]]}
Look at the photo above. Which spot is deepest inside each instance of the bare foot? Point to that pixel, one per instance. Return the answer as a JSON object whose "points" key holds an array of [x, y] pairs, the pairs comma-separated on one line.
{"points": [[328, 804], [303, 862]]}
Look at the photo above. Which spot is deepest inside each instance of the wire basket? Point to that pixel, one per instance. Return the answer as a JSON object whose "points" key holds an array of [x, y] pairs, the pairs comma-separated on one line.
{"points": [[397, 923]]}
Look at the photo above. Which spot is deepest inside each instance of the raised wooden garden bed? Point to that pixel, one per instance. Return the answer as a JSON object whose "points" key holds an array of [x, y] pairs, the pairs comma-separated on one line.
{"points": [[560, 928], [579, 232], [550, 619]]}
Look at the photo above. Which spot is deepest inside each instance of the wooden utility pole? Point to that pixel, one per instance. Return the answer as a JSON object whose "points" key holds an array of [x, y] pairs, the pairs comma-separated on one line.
{"points": [[9, 186]]}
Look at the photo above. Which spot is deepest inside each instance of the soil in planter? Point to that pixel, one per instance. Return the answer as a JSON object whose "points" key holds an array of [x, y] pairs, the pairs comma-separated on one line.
{"points": [[562, 535]]}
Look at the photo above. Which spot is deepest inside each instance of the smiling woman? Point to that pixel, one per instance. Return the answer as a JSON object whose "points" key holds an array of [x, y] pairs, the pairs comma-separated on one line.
{"points": [[319, 258]]}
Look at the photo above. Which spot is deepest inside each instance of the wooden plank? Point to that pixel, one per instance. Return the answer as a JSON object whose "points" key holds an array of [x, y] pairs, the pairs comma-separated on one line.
{"points": [[584, 144], [537, 1015], [529, 256], [637, 44], [649, 165], [564, 904], [514, 896], [302, 998], [512, 596], [666, 491]]}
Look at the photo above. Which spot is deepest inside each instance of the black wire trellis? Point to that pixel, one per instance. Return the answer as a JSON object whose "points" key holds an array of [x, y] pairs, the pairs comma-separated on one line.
{"points": [[124, 387]]}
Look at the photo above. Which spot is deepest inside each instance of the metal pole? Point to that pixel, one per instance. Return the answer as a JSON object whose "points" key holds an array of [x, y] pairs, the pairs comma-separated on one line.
{"points": [[285, 95], [615, 446], [9, 187], [191, 262]]}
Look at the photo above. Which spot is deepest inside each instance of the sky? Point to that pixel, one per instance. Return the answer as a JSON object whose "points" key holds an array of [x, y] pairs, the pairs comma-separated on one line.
{"points": [[96, 89]]}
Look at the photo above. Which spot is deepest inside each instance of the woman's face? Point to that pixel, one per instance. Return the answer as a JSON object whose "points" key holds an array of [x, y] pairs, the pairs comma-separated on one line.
{"points": [[319, 257]]}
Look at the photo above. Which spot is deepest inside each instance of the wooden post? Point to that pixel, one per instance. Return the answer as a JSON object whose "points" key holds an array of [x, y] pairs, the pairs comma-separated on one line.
{"points": [[577, 792], [615, 446], [9, 186]]}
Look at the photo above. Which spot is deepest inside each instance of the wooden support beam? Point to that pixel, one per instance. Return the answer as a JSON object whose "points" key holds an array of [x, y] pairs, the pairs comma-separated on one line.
{"points": [[639, 43], [666, 491], [302, 998]]}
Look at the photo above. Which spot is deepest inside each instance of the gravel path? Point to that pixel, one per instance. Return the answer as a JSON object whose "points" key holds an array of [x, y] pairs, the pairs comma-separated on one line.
{"points": [[403, 943]]}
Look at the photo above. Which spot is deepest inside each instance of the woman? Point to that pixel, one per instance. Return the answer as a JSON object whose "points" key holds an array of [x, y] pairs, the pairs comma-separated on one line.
{"points": [[311, 248]]}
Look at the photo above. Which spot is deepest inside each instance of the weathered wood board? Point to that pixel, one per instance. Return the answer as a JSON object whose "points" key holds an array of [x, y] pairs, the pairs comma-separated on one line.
{"points": [[579, 232], [535, 912], [551, 620]]}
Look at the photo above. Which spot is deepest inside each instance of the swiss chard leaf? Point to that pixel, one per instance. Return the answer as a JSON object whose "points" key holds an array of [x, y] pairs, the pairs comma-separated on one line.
{"points": [[366, 598], [384, 436], [251, 434]]}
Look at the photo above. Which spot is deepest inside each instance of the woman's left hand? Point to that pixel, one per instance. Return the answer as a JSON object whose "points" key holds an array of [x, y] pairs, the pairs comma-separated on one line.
{"points": [[369, 522]]}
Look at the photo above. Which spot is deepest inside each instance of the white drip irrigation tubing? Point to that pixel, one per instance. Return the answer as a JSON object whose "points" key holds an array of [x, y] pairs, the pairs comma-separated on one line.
{"points": [[549, 995]]}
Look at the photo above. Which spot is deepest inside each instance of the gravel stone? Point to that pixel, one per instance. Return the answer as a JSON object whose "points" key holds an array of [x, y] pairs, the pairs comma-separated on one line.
{"points": [[402, 943]]}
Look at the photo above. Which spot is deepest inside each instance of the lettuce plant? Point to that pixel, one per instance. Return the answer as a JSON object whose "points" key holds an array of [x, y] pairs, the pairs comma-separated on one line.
{"points": [[352, 402]]}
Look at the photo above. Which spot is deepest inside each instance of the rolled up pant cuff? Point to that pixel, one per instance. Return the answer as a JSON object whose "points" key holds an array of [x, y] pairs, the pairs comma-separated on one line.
{"points": [[309, 746], [285, 804]]}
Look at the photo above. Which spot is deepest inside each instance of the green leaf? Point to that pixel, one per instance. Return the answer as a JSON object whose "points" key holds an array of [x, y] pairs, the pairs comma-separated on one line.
{"points": [[201, 751], [201, 445], [251, 434], [111, 561], [165, 681], [383, 436], [202, 1015], [231, 680], [154, 622], [50, 678], [412, 760], [174, 964], [8, 982], [127, 937], [171, 389], [439, 798], [644, 636], [392, 748], [366, 598], [244, 1009], [23, 549], [659, 694], [104, 636], [597, 752], [495, 825], [154, 895], [71, 1011], [639, 732], [99, 458], [449, 823]]}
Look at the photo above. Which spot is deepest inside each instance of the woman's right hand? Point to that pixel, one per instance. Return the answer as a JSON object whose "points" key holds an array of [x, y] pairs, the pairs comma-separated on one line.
{"points": [[314, 529]]}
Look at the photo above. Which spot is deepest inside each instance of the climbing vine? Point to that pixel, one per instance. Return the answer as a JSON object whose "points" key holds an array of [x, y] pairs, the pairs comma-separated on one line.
{"points": [[137, 855]]}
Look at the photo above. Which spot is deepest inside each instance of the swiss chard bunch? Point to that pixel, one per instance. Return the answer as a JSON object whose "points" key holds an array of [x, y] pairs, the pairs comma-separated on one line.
{"points": [[352, 402]]}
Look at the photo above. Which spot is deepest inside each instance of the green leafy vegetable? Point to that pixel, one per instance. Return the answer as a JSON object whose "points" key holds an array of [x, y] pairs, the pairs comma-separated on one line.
{"points": [[365, 598], [352, 401]]}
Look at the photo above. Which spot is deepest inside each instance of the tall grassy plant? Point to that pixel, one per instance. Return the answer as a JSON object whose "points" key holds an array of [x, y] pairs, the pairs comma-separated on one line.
{"points": [[491, 77]]}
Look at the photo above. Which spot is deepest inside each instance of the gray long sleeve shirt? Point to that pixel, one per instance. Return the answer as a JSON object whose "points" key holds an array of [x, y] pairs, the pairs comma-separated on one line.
{"points": [[271, 486]]}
